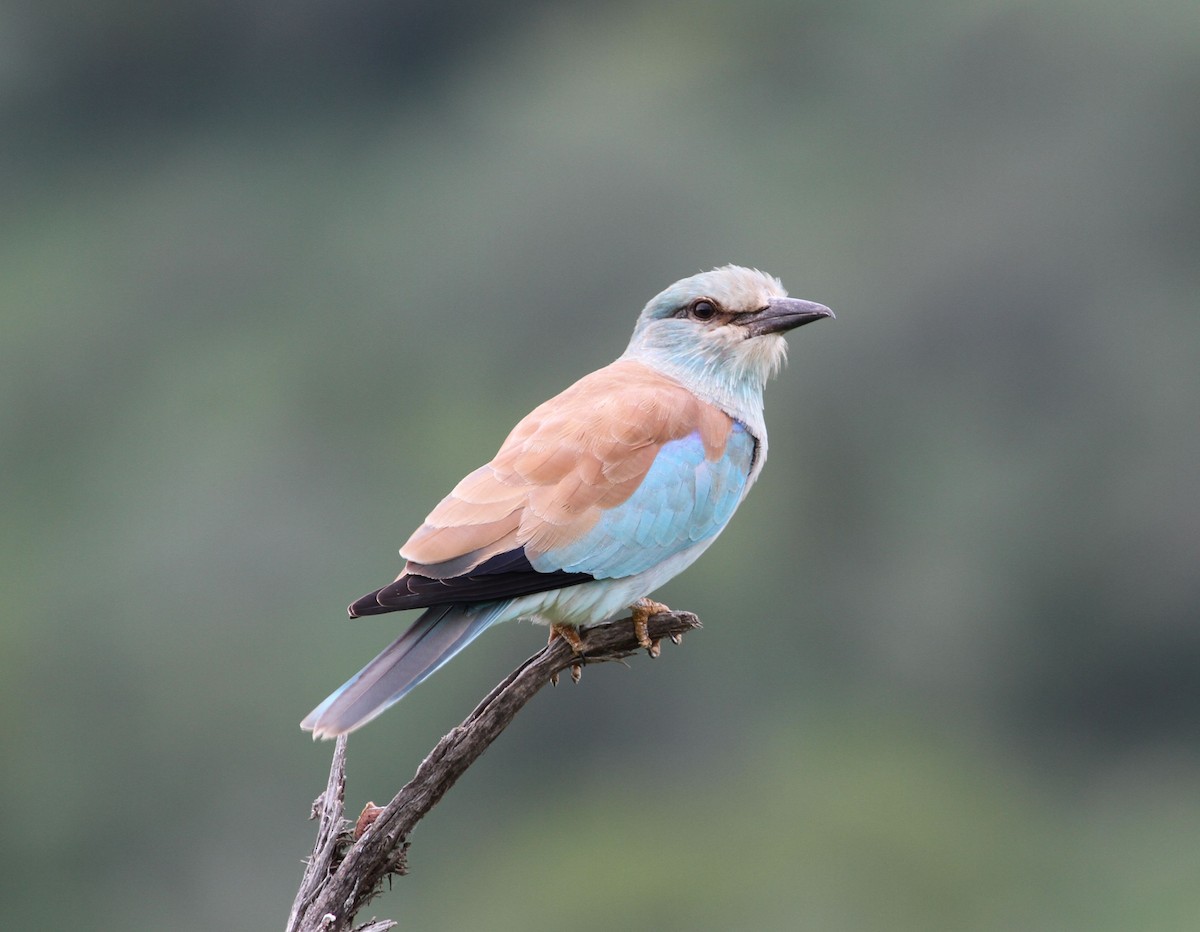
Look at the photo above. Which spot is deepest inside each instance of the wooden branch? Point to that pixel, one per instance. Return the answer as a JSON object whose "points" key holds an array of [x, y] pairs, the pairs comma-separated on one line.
{"points": [[346, 870]]}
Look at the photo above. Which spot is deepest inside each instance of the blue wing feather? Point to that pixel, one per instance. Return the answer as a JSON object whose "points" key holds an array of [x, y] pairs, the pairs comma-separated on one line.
{"points": [[684, 498]]}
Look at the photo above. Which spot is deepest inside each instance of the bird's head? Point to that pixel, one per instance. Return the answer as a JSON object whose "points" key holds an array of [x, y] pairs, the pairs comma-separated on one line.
{"points": [[725, 327]]}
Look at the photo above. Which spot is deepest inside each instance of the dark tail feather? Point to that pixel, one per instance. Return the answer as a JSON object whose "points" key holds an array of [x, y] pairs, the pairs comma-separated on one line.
{"points": [[435, 637]]}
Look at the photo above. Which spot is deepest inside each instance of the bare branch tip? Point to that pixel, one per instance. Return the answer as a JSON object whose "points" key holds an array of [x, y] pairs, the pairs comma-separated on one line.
{"points": [[350, 863]]}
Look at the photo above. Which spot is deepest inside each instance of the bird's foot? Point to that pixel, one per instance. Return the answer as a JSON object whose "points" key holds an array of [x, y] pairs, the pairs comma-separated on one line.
{"points": [[570, 634], [576, 674], [642, 610]]}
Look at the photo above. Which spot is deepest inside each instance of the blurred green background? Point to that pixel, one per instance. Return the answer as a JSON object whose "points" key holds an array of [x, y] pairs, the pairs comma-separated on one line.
{"points": [[273, 276]]}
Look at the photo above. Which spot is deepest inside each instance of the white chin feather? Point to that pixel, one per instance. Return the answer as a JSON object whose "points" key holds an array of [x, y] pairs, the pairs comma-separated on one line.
{"points": [[765, 355]]}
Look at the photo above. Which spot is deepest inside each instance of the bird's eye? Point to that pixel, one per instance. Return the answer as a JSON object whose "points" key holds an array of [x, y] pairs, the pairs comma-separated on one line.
{"points": [[704, 309]]}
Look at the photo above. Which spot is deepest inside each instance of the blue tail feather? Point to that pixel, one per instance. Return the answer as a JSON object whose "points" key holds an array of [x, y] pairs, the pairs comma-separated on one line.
{"points": [[435, 637]]}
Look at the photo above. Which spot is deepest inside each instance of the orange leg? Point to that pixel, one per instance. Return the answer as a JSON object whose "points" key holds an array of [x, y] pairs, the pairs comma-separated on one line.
{"points": [[570, 634], [642, 610]]}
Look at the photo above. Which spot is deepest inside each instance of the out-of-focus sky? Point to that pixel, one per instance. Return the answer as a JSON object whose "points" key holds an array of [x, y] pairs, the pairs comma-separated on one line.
{"points": [[274, 276]]}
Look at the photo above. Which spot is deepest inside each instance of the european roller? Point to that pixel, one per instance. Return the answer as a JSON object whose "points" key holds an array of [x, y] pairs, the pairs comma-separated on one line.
{"points": [[596, 498]]}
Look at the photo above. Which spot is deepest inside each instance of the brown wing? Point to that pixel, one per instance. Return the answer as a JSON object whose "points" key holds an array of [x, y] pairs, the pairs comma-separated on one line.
{"points": [[582, 452]]}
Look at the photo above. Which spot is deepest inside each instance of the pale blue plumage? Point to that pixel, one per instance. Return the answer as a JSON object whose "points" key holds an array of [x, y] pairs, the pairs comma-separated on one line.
{"points": [[432, 642], [598, 496], [683, 499]]}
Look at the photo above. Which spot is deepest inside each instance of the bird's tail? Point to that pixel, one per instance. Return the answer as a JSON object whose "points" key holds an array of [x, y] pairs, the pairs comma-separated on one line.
{"points": [[435, 637]]}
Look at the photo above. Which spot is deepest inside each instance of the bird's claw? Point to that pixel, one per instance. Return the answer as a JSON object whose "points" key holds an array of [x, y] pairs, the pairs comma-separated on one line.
{"points": [[642, 610], [576, 674], [568, 633]]}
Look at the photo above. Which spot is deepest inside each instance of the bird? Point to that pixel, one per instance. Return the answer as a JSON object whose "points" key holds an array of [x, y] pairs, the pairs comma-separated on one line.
{"points": [[598, 496]]}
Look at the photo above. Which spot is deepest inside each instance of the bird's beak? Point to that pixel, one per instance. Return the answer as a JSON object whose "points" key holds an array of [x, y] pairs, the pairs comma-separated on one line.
{"points": [[783, 314]]}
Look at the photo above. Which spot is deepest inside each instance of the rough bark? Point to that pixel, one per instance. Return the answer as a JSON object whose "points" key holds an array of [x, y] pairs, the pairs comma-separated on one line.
{"points": [[348, 867]]}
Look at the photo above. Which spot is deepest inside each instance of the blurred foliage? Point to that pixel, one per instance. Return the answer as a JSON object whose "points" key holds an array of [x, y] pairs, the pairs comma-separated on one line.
{"points": [[274, 276]]}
